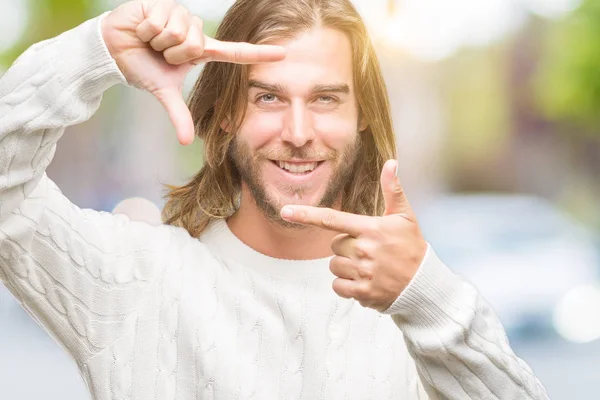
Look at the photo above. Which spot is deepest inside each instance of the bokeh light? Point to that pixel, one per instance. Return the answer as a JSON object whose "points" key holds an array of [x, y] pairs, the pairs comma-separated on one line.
{"points": [[577, 315], [139, 209]]}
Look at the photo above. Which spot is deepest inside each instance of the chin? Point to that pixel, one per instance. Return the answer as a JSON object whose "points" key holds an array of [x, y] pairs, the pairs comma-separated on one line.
{"points": [[306, 199]]}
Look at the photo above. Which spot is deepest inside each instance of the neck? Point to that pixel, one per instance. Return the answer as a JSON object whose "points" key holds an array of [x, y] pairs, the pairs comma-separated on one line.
{"points": [[253, 228]]}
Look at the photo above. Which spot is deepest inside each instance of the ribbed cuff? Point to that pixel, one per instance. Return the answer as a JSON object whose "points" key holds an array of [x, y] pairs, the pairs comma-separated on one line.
{"points": [[435, 297], [88, 65]]}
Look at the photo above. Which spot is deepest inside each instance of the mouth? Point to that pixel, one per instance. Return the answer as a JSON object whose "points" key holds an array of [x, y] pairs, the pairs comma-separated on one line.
{"points": [[296, 167]]}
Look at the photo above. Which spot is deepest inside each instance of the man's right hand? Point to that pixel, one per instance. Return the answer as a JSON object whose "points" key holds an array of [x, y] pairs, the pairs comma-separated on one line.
{"points": [[156, 43]]}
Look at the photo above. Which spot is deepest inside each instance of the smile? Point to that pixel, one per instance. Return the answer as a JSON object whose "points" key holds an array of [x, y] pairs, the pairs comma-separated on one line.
{"points": [[297, 168]]}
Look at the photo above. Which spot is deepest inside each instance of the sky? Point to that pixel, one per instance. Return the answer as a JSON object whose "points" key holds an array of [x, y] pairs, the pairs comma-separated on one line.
{"points": [[435, 29], [430, 30]]}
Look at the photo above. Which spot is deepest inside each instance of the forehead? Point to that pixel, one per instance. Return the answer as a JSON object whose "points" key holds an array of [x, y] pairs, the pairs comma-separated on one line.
{"points": [[316, 56]]}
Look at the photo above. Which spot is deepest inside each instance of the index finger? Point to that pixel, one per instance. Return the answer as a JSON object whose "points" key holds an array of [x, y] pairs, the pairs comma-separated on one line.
{"points": [[326, 218], [242, 53]]}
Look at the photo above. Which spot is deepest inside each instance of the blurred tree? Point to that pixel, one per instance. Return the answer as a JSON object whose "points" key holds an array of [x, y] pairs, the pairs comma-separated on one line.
{"points": [[568, 84], [475, 86], [567, 93]]}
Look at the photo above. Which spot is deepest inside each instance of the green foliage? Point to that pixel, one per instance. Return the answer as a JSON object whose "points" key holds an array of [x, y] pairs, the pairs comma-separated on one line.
{"points": [[476, 95], [568, 84], [48, 18]]}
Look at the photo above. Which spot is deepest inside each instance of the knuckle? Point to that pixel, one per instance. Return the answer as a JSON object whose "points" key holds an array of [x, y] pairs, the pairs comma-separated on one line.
{"points": [[365, 249], [169, 58], [364, 271], [155, 26], [173, 57], [397, 190], [195, 49], [178, 34], [237, 55], [361, 249], [328, 220]]}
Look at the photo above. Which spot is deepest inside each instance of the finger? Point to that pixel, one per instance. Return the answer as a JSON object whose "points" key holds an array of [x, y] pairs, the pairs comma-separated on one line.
{"points": [[356, 249], [175, 31], [342, 245], [327, 218], [243, 53], [156, 20], [342, 267], [346, 288], [191, 49], [393, 193], [179, 113]]}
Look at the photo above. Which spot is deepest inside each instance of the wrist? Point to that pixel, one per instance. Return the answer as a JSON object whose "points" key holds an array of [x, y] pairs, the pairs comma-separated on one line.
{"points": [[108, 33], [106, 36]]}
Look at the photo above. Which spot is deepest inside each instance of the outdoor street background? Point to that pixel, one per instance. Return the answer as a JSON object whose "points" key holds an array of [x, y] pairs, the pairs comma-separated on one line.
{"points": [[496, 106]]}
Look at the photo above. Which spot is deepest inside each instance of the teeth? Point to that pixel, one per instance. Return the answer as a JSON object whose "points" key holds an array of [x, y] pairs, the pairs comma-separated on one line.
{"points": [[297, 168]]}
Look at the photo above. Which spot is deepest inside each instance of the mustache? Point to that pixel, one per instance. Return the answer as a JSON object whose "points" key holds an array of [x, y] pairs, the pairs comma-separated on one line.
{"points": [[302, 153]]}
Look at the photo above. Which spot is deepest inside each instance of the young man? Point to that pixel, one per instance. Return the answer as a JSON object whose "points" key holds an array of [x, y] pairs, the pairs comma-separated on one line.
{"points": [[232, 297]]}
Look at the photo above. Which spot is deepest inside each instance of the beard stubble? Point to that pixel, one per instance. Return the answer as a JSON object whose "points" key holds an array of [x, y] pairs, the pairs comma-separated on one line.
{"points": [[248, 166]]}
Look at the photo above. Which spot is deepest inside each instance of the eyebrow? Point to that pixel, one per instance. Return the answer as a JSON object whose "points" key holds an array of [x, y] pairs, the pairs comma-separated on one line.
{"points": [[277, 88]]}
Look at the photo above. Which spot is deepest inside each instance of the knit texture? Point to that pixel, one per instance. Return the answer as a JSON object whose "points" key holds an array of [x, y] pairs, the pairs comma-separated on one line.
{"points": [[151, 313]]}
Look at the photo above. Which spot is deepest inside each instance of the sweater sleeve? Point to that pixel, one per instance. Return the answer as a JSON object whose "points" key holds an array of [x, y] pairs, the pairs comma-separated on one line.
{"points": [[456, 340], [79, 273]]}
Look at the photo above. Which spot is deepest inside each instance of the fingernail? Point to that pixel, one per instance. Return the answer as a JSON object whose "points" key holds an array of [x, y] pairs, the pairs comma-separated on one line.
{"points": [[287, 212]]}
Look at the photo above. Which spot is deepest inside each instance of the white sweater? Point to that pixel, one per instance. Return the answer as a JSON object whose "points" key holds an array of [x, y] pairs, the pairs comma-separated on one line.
{"points": [[151, 313]]}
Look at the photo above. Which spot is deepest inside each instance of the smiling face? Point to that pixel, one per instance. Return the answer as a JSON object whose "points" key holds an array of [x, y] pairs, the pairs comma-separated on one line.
{"points": [[299, 140]]}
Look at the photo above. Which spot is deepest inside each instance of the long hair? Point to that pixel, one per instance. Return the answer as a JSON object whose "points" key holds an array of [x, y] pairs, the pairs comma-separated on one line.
{"points": [[220, 94]]}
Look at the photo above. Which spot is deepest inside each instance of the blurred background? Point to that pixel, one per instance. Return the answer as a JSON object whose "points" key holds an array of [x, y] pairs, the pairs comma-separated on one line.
{"points": [[496, 107]]}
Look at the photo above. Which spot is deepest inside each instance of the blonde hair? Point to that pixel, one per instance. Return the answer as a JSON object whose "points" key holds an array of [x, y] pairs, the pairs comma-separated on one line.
{"points": [[220, 94]]}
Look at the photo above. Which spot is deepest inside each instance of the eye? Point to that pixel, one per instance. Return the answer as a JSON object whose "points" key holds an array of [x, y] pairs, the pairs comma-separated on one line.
{"points": [[326, 99], [267, 98]]}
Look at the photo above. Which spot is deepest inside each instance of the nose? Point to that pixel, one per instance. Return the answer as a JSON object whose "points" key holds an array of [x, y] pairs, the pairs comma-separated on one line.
{"points": [[298, 129]]}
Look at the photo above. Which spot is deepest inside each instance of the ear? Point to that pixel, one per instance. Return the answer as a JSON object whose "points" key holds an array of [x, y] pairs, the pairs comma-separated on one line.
{"points": [[362, 121], [362, 124], [226, 125]]}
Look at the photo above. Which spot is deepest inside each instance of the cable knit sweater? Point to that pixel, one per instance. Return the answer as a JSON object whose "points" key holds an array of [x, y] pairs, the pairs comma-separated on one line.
{"points": [[149, 312]]}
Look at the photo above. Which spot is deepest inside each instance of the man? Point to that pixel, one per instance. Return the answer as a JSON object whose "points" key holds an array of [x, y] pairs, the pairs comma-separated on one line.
{"points": [[232, 297]]}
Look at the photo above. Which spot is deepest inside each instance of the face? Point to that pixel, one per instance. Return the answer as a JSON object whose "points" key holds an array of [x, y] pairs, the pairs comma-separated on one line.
{"points": [[299, 141]]}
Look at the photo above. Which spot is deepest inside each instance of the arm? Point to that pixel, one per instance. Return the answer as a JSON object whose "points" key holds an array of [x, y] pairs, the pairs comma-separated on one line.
{"points": [[79, 273], [82, 273], [458, 344]]}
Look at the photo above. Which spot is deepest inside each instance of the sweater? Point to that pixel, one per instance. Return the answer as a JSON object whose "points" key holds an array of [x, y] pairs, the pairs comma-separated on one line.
{"points": [[149, 312]]}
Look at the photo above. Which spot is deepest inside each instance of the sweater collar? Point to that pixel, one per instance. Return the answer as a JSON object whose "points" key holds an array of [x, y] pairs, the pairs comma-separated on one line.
{"points": [[222, 241]]}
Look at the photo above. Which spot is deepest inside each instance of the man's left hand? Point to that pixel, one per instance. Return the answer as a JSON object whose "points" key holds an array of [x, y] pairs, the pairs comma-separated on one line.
{"points": [[375, 257]]}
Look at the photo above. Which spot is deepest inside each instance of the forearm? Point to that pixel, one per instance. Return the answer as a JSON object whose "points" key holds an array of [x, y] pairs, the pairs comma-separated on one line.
{"points": [[79, 273], [458, 344]]}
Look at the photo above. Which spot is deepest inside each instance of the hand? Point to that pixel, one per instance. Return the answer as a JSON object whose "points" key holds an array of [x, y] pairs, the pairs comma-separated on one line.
{"points": [[375, 257], [156, 43]]}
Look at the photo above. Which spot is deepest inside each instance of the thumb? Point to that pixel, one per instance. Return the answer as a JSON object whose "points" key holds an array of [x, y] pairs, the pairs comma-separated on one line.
{"points": [[179, 113], [393, 193]]}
